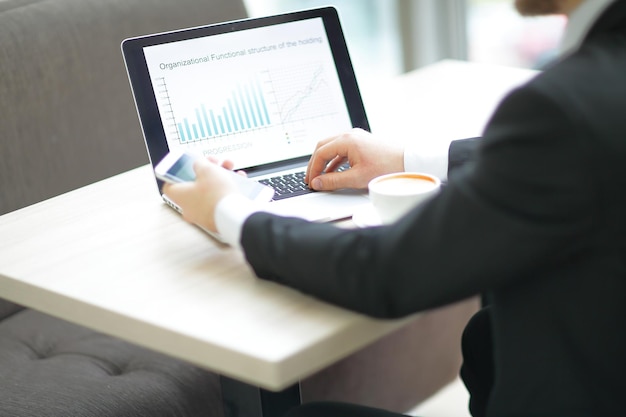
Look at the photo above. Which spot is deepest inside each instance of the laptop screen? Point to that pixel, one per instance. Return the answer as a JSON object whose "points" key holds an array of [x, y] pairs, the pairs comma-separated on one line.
{"points": [[257, 91]]}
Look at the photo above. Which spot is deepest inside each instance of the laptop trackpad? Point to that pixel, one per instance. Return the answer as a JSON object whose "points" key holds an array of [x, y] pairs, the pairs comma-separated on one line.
{"points": [[321, 206]]}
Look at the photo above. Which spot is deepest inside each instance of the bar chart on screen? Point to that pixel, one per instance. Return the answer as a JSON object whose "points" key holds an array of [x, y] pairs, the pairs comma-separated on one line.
{"points": [[280, 100], [245, 108]]}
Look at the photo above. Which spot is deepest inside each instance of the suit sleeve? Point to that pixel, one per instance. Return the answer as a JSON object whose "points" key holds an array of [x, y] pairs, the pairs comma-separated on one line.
{"points": [[461, 152], [516, 207]]}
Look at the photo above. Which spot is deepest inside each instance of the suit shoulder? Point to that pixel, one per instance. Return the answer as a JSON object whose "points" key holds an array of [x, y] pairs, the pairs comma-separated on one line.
{"points": [[596, 68]]}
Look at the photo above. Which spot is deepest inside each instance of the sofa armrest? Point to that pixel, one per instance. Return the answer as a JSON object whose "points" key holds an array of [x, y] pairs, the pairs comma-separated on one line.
{"points": [[8, 308], [68, 117]]}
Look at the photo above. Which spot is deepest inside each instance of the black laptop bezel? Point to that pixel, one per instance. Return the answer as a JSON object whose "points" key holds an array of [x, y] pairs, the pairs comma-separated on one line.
{"points": [[146, 102]]}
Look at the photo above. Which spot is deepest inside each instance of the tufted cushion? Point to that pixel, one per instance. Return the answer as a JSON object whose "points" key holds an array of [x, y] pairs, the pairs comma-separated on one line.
{"points": [[49, 367]]}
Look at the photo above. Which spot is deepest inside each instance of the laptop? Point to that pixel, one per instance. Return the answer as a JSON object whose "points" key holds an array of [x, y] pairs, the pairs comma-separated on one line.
{"points": [[261, 92]]}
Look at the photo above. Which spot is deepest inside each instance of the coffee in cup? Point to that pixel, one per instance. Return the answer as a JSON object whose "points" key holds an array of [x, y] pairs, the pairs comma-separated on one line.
{"points": [[393, 195]]}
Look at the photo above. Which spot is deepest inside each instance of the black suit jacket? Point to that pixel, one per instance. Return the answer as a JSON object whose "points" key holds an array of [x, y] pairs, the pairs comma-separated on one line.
{"points": [[537, 220]]}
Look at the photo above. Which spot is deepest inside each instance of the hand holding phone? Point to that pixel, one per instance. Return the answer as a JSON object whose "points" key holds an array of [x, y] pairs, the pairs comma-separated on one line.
{"points": [[177, 167]]}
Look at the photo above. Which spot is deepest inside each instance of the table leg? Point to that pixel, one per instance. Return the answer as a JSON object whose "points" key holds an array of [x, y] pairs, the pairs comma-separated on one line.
{"points": [[243, 400]]}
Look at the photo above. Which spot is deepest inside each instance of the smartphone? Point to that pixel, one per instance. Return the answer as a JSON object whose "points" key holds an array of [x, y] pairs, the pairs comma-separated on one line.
{"points": [[178, 167]]}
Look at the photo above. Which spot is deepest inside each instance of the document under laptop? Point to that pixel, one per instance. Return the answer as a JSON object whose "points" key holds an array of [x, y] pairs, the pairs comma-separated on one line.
{"points": [[261, 92]]}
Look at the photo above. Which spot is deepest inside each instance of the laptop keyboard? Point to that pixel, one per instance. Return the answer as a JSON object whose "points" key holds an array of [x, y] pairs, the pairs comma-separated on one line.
{"points": [[288, 185], [291, 185]]}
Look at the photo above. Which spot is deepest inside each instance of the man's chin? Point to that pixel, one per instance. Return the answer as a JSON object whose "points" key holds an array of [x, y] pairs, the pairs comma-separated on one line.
{"points": [[538, 7]]}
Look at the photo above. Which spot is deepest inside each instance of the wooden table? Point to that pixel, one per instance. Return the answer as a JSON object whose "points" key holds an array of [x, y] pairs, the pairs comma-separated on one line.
{"points": [[111, 256]]}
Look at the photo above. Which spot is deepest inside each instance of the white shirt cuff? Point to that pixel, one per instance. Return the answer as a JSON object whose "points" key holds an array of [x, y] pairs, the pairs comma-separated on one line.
{"points": [[231, 213], [431, 158]]}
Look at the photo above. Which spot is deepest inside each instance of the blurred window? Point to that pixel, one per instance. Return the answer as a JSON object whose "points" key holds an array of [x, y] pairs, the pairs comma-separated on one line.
{"points": [[369, 27], [497, 34], [387, 37]]}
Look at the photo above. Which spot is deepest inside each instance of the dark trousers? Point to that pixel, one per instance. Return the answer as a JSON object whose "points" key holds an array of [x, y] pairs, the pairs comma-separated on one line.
{"points": [[476, 372]]}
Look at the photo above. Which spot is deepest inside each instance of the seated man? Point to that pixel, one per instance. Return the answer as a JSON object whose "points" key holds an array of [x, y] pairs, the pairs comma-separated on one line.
{"points": [[535, 221]]}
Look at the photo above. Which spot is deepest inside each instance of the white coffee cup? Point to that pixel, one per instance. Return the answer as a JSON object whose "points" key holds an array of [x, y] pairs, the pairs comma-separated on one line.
{"points": [[393, 195]]}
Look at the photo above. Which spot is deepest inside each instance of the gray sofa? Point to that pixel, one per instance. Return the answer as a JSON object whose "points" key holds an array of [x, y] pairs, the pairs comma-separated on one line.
{"points": [[66, 120]]}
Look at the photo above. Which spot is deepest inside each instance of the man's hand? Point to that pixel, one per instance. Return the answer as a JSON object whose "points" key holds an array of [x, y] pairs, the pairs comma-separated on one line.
{"points": [[368, 158], [199, 198]]}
